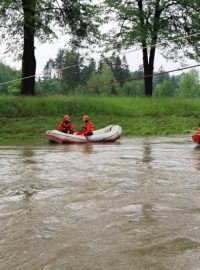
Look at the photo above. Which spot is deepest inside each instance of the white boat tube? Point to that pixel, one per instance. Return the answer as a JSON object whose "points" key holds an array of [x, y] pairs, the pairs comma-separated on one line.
{"points": [[108, 134]]}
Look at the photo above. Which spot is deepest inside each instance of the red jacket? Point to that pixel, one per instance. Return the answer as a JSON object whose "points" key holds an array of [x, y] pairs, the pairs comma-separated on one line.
{"points": [[87, 129], [66, 127]]}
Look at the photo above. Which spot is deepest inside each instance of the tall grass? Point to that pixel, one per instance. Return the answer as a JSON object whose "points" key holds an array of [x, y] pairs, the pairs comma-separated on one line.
{"points": [[116, 106], [27, 118]]}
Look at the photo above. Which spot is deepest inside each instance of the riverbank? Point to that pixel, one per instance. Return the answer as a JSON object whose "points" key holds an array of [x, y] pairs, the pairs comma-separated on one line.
{"points": [[26, 119]]}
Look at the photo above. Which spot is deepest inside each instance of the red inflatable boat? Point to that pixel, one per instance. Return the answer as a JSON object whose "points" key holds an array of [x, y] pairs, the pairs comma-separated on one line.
{"points": [[196, 136]]}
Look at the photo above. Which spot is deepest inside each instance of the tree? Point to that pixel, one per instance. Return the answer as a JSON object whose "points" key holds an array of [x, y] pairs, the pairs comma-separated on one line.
{"points": [[189, 85], [148, 23], [14, 86], [7, 74], [115, 64], [163, 76], [102, 82], [48, 69], [29, 19], [48, 86], [118, 66], [59, 62], [72, 72], [70, 69], [120, 69], [125, 68], [87, 71], [164, 88]]}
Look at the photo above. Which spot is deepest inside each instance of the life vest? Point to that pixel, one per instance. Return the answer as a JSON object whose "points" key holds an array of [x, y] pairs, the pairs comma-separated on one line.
{"points": [[87, 129], [196, 136], [66, 127]]}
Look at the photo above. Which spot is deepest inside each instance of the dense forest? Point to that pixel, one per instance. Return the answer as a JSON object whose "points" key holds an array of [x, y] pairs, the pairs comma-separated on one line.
{"points": [[70, 74]]}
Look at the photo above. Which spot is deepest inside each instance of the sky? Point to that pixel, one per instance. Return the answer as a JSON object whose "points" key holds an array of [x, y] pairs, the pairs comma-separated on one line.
{"points": [[46, 51]]}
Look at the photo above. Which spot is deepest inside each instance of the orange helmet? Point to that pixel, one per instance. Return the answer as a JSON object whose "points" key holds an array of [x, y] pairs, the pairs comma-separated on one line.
{"points": [[66, 117], [86, 118]]}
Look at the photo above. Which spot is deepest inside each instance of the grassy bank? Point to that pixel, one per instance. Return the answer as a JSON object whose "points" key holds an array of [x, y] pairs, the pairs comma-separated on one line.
{"points": [[27, 118]]}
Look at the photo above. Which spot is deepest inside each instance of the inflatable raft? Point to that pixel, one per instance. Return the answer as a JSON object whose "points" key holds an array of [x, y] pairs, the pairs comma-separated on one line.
{"points": [[108, 134], [196, 136]]}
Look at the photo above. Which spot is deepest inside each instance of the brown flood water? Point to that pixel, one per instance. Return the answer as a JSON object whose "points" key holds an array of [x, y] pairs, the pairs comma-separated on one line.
{"points": [[133, 204]]}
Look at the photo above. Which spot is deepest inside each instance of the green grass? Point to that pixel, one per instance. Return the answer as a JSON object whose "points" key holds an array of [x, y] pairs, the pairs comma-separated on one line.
{"points": [[78, 105], [27, 118]]}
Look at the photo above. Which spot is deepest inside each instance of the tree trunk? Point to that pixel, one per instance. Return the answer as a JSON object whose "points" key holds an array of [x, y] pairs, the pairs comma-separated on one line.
{"points": [[148, 64], [148, 81], [148, 71], [28, 58]]}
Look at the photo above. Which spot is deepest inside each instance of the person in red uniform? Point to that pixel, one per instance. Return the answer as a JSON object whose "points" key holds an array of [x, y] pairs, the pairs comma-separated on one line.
{"points": [[66, 125], [87, 129]]}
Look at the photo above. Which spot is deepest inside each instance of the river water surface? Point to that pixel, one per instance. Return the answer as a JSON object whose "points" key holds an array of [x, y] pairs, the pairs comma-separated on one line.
{"points": [[133, 204]]}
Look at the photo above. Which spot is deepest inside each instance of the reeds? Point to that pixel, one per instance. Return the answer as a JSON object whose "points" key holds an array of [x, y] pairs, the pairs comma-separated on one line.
{"points": [[113, 106]]}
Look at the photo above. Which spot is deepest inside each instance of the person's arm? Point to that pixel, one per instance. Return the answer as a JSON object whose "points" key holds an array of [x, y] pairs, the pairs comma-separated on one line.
{"points": [[71, 129], [60, 126]]}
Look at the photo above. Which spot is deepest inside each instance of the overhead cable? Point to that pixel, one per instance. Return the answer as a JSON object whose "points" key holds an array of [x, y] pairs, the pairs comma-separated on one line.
{"points": [[125, 52]]}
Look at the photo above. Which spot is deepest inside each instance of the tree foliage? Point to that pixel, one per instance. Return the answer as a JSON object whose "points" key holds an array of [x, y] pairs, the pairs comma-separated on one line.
{"points": [[119, 68], [21, 21], [8, 74], [70, 69], [166, 88], [189, 85], [102, 82], [112, 77], [146, 23]]}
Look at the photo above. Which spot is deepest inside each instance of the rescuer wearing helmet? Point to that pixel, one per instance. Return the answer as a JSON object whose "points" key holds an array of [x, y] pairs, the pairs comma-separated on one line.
{"points": [[66, 125], [88, 126]]}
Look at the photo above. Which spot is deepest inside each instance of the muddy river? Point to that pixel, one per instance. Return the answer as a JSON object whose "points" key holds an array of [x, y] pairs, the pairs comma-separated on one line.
{"points": [[129, 205]]}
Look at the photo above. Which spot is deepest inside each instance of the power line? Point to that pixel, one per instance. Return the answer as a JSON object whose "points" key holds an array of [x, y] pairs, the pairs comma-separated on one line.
{"points": [[67, 67], [142, 77], [138, 49], [134, 50], [31, 76]]}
